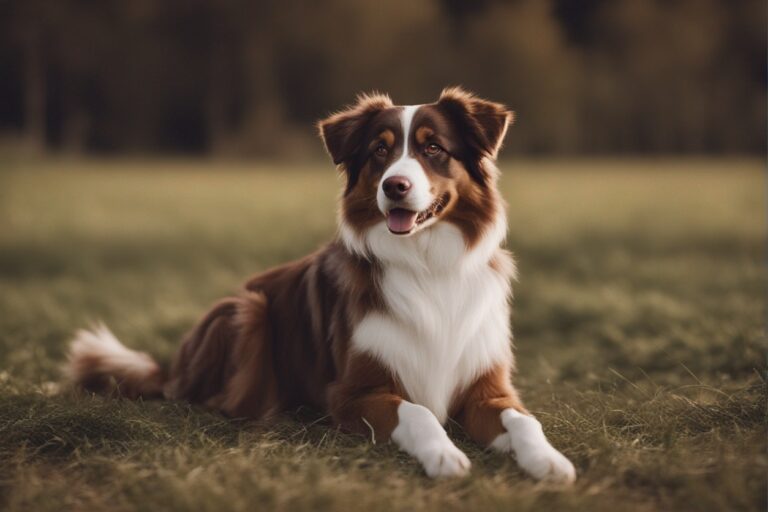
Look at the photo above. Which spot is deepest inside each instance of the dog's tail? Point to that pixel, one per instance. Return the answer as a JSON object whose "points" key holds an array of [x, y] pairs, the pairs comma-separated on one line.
{"points": [[98, 362]]}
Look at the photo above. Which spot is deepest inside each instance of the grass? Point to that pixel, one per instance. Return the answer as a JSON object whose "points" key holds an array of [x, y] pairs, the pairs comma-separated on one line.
{"points": [[639, 322]]}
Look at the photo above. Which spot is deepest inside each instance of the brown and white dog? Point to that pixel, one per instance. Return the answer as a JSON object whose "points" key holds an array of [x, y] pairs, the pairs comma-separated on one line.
{"points": [[397, 325]]}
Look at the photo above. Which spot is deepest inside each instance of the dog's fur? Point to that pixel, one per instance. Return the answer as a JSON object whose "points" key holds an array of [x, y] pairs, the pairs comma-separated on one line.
{"points": [[397, 325]]}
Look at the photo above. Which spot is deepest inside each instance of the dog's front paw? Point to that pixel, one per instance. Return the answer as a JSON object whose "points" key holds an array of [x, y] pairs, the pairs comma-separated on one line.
{"points": [[545, 463], [444, 460], [526, 439]]}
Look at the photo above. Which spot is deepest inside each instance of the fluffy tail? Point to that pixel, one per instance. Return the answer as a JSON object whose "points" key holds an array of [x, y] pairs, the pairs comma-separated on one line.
{"points": [[98, 362]]}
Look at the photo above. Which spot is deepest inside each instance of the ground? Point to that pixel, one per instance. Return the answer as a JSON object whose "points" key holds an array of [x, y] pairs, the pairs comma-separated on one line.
{"points": [[638, 319]]}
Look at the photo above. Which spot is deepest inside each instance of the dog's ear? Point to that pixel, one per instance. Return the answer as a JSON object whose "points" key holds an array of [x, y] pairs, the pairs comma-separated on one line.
{"points": [[343, 132], [482, 125]]}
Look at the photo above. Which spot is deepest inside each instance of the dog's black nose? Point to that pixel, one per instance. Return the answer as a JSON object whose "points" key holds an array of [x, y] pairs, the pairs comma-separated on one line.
{"points": [[396, 187]]}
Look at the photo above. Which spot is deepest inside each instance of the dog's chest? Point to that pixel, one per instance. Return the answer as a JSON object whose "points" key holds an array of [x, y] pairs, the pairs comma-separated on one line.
{"points": [[438, 332]]}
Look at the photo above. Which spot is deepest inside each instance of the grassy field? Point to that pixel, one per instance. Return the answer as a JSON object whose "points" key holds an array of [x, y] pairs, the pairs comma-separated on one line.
{"points": [[639, 322]]}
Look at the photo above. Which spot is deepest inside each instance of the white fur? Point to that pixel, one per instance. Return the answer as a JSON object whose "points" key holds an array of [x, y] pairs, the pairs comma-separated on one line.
{"points": [[105, 354], [447, 315], [419, 434], [534, 454], [419, 197]]}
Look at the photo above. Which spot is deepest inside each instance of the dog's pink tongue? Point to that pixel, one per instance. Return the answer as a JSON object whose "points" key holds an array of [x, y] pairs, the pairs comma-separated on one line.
{"points": [[400, 220]]}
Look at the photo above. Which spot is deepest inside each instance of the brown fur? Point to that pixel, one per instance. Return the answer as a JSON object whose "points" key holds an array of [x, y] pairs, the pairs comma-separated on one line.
{"points": [[366, 397], [479, 409]]}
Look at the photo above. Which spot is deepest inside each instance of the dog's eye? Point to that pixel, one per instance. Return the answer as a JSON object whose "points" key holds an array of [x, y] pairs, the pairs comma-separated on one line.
{"points": [[432, 149], [381, 150]]}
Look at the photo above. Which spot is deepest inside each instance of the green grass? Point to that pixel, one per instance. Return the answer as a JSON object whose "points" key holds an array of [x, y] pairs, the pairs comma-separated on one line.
{"points": [[639, 320]]}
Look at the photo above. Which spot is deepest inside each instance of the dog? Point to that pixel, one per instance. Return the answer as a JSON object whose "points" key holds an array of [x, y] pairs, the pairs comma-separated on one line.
{"points": [[398, 324]]}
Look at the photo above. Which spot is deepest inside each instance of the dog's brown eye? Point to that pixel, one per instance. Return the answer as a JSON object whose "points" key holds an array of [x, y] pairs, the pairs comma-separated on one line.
{"points": [[381, 150], [432, 149]]}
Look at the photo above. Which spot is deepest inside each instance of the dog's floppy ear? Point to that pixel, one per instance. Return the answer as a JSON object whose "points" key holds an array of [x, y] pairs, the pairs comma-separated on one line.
{"points": [[481, 123], [343, 132]]}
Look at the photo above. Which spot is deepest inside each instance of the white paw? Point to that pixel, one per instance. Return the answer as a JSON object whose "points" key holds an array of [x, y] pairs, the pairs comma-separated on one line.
{"points": [[535, 456], [420, 434], [444, 460], [547, 464]]}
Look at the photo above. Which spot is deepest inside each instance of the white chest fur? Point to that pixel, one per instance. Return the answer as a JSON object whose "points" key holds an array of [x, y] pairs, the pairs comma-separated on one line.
{"points": [[447, 315]]}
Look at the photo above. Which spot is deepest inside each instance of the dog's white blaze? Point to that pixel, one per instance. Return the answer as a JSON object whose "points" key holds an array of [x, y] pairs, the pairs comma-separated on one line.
{"points": [[406, 118], [419, 198], [447, 317], [534, 454], [419, 434]]}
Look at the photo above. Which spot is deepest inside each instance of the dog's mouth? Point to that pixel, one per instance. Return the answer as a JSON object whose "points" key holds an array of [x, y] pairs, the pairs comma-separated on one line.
{"points": [[401, 221]]}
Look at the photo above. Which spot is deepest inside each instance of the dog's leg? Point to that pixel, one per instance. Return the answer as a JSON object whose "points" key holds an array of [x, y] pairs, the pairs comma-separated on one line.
{"points": [[493, 415], [200, 367], [420, 434], [373, 406], [225, 362]]}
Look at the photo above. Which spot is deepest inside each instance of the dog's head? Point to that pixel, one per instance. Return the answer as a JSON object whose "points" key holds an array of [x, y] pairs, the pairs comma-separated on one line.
{"points": [[412, 167]]}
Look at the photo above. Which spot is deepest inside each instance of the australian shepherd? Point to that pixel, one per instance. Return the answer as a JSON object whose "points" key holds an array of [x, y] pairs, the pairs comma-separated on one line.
{"points": [[398, 324]]}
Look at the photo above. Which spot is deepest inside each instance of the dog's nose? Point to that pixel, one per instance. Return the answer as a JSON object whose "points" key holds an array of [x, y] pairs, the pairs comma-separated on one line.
{"points": [[396, 187]]}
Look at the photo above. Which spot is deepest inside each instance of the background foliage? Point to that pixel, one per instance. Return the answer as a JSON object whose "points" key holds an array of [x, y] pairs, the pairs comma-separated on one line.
{"points": [[251, 77]]}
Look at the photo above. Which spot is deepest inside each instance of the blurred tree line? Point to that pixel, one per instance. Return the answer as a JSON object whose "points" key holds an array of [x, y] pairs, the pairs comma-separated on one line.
{"points": [[250, 77]]}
